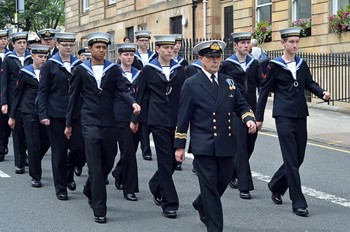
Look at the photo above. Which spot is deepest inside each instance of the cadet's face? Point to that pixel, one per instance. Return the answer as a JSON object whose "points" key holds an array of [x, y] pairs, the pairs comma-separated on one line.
{"points": [[39, 59], [177, 46], [143, 43], [126, 58], [98, 51], [210, 64], [3, 42], [20, 45], [242, 47], [291, 44], [65, 48], [82, 57], [165, 52]]}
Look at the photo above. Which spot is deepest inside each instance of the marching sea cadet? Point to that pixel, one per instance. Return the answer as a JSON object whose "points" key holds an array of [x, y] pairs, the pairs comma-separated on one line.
{"points": [[47, 37], [207, 104]]}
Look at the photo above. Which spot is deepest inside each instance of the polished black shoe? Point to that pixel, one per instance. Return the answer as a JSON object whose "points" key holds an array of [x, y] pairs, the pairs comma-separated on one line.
{"points": [[147, 157], [200, 211], [2, 157], [72, 186], [62, 196], [303, 212], [170, 213], [276, 198], [118, 185], [245, 195], [36, 183], [157, 200], [20, 170], [78, 171], [233, 183], [130, 197], [178, 167], [102, 219]]}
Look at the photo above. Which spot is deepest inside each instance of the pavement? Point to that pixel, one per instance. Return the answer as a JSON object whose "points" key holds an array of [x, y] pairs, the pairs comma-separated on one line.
{"points": [[327, 124]]}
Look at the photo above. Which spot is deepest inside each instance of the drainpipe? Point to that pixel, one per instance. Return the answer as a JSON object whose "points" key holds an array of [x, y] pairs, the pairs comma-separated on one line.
{"points": [[205, 19], [194, 6]]}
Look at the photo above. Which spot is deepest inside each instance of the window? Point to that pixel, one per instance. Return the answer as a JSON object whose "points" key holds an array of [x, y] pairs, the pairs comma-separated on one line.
{"points": [[110, 2], [130, 33], [301, 9], [85, 5], [175, 25], [142, 27], [339, 4], [111, 56], [228, 24], [263, 10]]}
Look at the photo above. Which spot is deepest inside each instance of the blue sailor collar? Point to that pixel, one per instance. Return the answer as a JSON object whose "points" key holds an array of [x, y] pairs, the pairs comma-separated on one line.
{"points": [[88, 67], [197, 64], [180, 59], [7, 52], [29, 69], [156, 65], [150, 53], [57, 59], [14, 54], [279, 61], [234, 59], [134, 71]]}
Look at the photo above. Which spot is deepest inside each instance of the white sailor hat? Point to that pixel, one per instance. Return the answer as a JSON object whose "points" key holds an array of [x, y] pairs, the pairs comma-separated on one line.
{"points": [[126, 47], [98, 37], [40, 49], [209, 48], [143, 34], [65, 36], [291, 31], [178, 37], [164, 40], [83, 50], [239, 36], [47, 33], [19, 35], [3, 33]]}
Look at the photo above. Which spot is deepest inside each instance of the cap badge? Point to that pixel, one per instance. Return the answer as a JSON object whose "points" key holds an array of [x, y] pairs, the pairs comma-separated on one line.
{"points": [[47, 33], [215, 46]]}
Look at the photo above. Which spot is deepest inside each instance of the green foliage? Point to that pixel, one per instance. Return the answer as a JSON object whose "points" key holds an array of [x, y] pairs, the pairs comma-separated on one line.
{"points": [[340, 22], [262, 31], [38, 14]]}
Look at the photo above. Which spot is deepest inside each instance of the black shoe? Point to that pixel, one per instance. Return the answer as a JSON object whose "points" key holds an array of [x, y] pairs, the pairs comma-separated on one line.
{"points": [[72, 186], [178, 167], [62, 196], [194, 170], [147, 157], [245, 195], [118, 185], [303, 212], [170, 213], [102, 219], [36, 183], [276, 198], [2, 157], [78, 171], [157, 200], [20, 170], [234, 183], [200, 211], [130, 197]]}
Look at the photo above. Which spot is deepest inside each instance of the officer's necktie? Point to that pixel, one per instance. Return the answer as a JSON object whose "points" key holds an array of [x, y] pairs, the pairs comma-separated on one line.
{"points": [[214, 83]]}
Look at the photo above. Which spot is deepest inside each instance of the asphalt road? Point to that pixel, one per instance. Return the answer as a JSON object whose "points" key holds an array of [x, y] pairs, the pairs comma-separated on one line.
{"points": [[325, 178]]}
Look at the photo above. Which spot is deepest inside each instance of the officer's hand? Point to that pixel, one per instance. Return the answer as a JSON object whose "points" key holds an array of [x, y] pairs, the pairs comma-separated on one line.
{"points": [[134, 127], [12, 123], [137, 108], [326, 96], [4, 109], [180, 154], [251, 127], [259, 125], [45, 122], [68, 131]]}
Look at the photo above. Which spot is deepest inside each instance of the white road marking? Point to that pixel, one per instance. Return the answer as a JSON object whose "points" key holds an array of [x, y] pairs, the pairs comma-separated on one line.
{"points": [[3, 174]]}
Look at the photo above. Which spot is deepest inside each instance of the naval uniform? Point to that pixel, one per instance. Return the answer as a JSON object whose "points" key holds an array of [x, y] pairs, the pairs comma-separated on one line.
{"points": [[290, 112], [5, 129], [37, 139], [181, 61], [53, 101], [209, 113], [164, 96], [98, 124], [247, 78], [9, 78], [125, 171]]}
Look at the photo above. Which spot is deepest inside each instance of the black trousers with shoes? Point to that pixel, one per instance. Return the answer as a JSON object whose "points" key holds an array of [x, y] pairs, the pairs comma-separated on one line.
{"points": [[19, 141]]}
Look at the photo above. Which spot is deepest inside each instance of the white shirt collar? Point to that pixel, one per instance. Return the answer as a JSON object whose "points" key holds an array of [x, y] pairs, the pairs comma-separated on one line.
{"points": [[209, 75]]}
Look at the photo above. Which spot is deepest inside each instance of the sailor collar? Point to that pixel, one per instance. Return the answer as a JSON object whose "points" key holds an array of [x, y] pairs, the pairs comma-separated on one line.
{"points": [[57, 59], [88, 67], [14, 55], [279, 61], [156, 65], [134, 71], [29, 70], [234, 59]]}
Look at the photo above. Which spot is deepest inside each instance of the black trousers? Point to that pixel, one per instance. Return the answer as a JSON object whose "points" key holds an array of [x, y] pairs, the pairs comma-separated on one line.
{"points": [[214, 173], [292, 136], [19, 141], [245, 143], [77, 150], [125, 171], [5, 132], [162, 184], [100, 149], [38, 142], [145, 142], [62, 170]]}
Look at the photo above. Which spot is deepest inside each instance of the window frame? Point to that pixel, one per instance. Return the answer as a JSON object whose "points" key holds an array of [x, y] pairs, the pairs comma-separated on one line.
{"points": [[258, 7], [295, 10], [111, 2], [85, 5], [335, 6]]}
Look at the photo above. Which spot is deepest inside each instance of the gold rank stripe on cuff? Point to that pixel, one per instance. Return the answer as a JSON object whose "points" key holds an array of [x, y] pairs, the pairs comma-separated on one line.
{"points": [[180, 135], [250, 113]]}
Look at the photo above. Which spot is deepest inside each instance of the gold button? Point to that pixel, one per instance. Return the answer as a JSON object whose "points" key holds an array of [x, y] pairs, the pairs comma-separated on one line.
{"points": [[229, 120], [229, 127], [214, 120], [215, 134], [229, 134], [214, 113], [229, 114], [214, 127]]}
